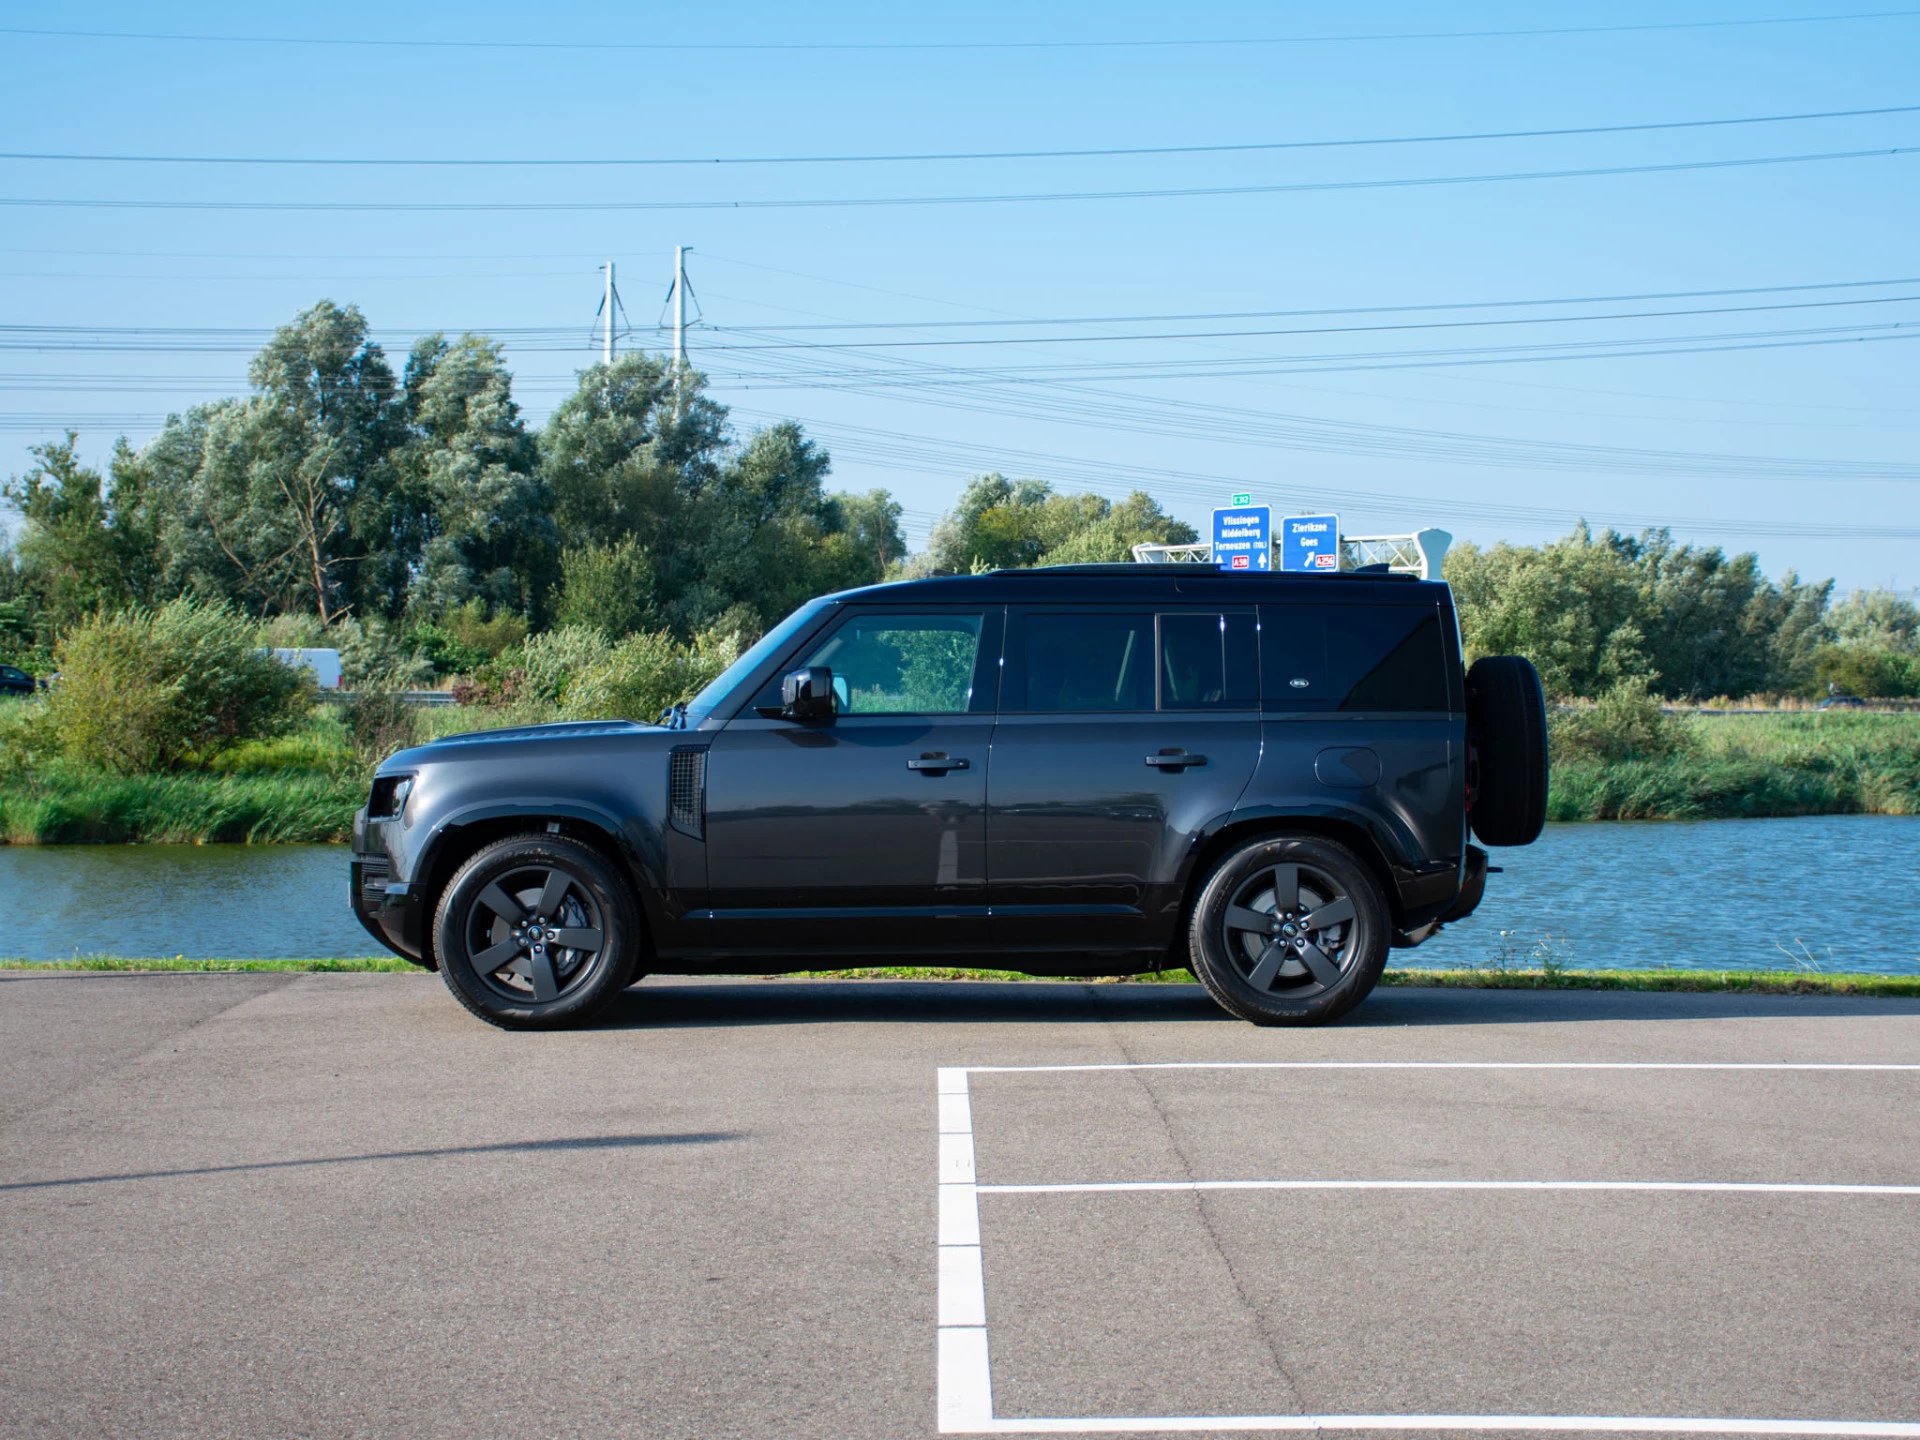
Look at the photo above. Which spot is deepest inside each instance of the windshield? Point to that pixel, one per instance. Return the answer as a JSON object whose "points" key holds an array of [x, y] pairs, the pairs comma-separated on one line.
{"points": [[722, 684]]}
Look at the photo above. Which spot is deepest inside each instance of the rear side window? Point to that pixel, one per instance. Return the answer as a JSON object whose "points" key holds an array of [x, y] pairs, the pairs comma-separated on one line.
{"points": [[1079, 661], [1353, 657]]}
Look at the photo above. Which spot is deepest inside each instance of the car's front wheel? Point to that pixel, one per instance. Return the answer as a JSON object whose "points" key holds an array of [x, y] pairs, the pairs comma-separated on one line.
{"points": [[537, 931], [1289, 930]]}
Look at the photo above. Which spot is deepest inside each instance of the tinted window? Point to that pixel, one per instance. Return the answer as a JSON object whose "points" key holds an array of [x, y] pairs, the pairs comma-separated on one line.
{"points": [[1089, 661], [1355, 657], [1083, 662], [1193, 660], [902, 664]]}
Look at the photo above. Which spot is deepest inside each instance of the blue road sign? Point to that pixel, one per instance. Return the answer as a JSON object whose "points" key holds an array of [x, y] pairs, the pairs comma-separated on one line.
{"points": [[1243, 538], [1310, 543]]}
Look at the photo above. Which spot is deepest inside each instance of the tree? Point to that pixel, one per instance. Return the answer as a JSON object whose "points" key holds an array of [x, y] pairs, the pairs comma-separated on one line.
{"points": [[871, 523], [284, 501], [1574, 607], [469, 501], [999, 523], [616, 459], [81, 547]]}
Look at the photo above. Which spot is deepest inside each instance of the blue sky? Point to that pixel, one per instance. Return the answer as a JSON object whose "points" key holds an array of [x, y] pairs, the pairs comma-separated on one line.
{"points": [[1360, 422]]}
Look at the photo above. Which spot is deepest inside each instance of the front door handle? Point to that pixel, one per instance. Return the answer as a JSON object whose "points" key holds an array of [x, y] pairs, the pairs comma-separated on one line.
{"points": [[938, 764], [1175, 760]]}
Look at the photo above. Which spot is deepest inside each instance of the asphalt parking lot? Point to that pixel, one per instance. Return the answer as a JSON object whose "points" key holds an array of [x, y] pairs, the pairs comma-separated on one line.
{"points": [[335, 1205]]}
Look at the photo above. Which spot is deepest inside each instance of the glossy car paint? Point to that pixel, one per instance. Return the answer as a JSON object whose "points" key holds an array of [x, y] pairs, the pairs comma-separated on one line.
{"points": [[1057, 848]]}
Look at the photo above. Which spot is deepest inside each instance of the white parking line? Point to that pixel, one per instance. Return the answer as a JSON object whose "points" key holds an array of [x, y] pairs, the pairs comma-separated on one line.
{"points": [[963, 1374], [1554, 1424], [963, 1381], [1433, 1065], [1697, 1186]]}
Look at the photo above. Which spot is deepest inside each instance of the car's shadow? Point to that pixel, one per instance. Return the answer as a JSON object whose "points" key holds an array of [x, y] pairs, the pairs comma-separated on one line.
{"points": [[673, 1001]]}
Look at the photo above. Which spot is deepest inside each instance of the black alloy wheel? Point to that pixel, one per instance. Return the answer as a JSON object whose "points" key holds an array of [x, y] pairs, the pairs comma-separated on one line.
{"points": [[537, 931], [1286, 930], [1289, 929]]}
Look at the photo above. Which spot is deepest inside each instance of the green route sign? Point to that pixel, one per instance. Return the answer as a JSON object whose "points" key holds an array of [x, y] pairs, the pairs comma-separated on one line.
{"points": [[1243, 500]]}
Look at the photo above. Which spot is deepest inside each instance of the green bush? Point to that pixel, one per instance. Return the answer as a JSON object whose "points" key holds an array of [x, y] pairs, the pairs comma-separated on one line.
{"points": [[26, 740], [471, 627], [374, 657], [1625, 723], [608, 588], [440, 649], [380, 722], [148, 689], [646, 673], [576, 672], [1875, 671]]}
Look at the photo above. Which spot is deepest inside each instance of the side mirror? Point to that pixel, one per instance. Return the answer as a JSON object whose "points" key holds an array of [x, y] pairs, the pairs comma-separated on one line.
{"points": [[807, 694]]}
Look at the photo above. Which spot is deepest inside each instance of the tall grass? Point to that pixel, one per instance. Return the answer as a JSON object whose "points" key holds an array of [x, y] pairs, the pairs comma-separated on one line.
{"points": [[64, 806], [1739, 766]]}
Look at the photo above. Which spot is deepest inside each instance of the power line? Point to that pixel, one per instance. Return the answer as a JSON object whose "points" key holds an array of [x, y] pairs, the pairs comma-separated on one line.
{"points": [[1395, 359], [1238, 148], [1425, 306], [897, 450], [771, 338], [65, 250], [871, 201], [781, 344], [357, 42]]}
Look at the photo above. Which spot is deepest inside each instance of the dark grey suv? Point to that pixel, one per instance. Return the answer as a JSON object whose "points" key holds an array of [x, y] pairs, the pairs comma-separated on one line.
{"points": [[1085, 770]]}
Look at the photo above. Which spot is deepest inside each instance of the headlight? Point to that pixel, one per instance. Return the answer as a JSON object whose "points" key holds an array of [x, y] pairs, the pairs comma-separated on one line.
{"points": [[389, 797]]}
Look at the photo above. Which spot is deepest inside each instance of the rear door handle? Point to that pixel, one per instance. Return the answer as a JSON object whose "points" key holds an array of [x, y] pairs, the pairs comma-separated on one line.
{"points": [[1175, 760], [938, 764]]}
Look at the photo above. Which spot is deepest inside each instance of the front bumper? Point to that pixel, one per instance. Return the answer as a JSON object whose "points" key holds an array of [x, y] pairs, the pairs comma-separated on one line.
{"points": [[387, 909]]}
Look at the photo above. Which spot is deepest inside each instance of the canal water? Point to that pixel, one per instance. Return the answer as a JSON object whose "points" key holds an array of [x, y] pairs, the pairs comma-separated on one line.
{"points": [[1831, 892]]}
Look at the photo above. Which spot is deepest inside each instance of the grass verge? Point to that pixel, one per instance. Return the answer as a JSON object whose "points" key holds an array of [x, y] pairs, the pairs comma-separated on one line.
{"points": [[1751, 982]]}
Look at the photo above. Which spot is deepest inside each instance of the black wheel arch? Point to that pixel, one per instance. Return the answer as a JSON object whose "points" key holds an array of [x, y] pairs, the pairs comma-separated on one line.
{"points": [[1329, 824], [456, 839]]}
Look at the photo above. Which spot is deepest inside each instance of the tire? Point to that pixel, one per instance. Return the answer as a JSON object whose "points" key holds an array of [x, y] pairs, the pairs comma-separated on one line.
{"points": [[518, 975], [1507, 729], [1289, 930]]}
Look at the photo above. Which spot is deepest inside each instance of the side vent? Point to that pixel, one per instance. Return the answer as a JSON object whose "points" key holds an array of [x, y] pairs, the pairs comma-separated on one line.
{"points": [[687, 791]]}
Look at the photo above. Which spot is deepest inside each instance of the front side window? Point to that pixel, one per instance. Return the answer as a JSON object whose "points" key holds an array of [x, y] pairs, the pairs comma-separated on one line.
{"points": [[894, 664]]}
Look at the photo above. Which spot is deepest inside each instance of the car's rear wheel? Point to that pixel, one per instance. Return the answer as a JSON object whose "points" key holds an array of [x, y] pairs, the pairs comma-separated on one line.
{"points": [[537, 931], [1289, 930]]}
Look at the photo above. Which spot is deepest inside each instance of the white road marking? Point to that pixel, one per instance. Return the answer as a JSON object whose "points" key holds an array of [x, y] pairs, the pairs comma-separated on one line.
{"points": [[1556, 1424], [1437, 1065], [963, 1286], [964, 1380], [963, 1393], [959, 1215], [964, 1387], [956, 1159], [956, 1115], [1703, 1186]]}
